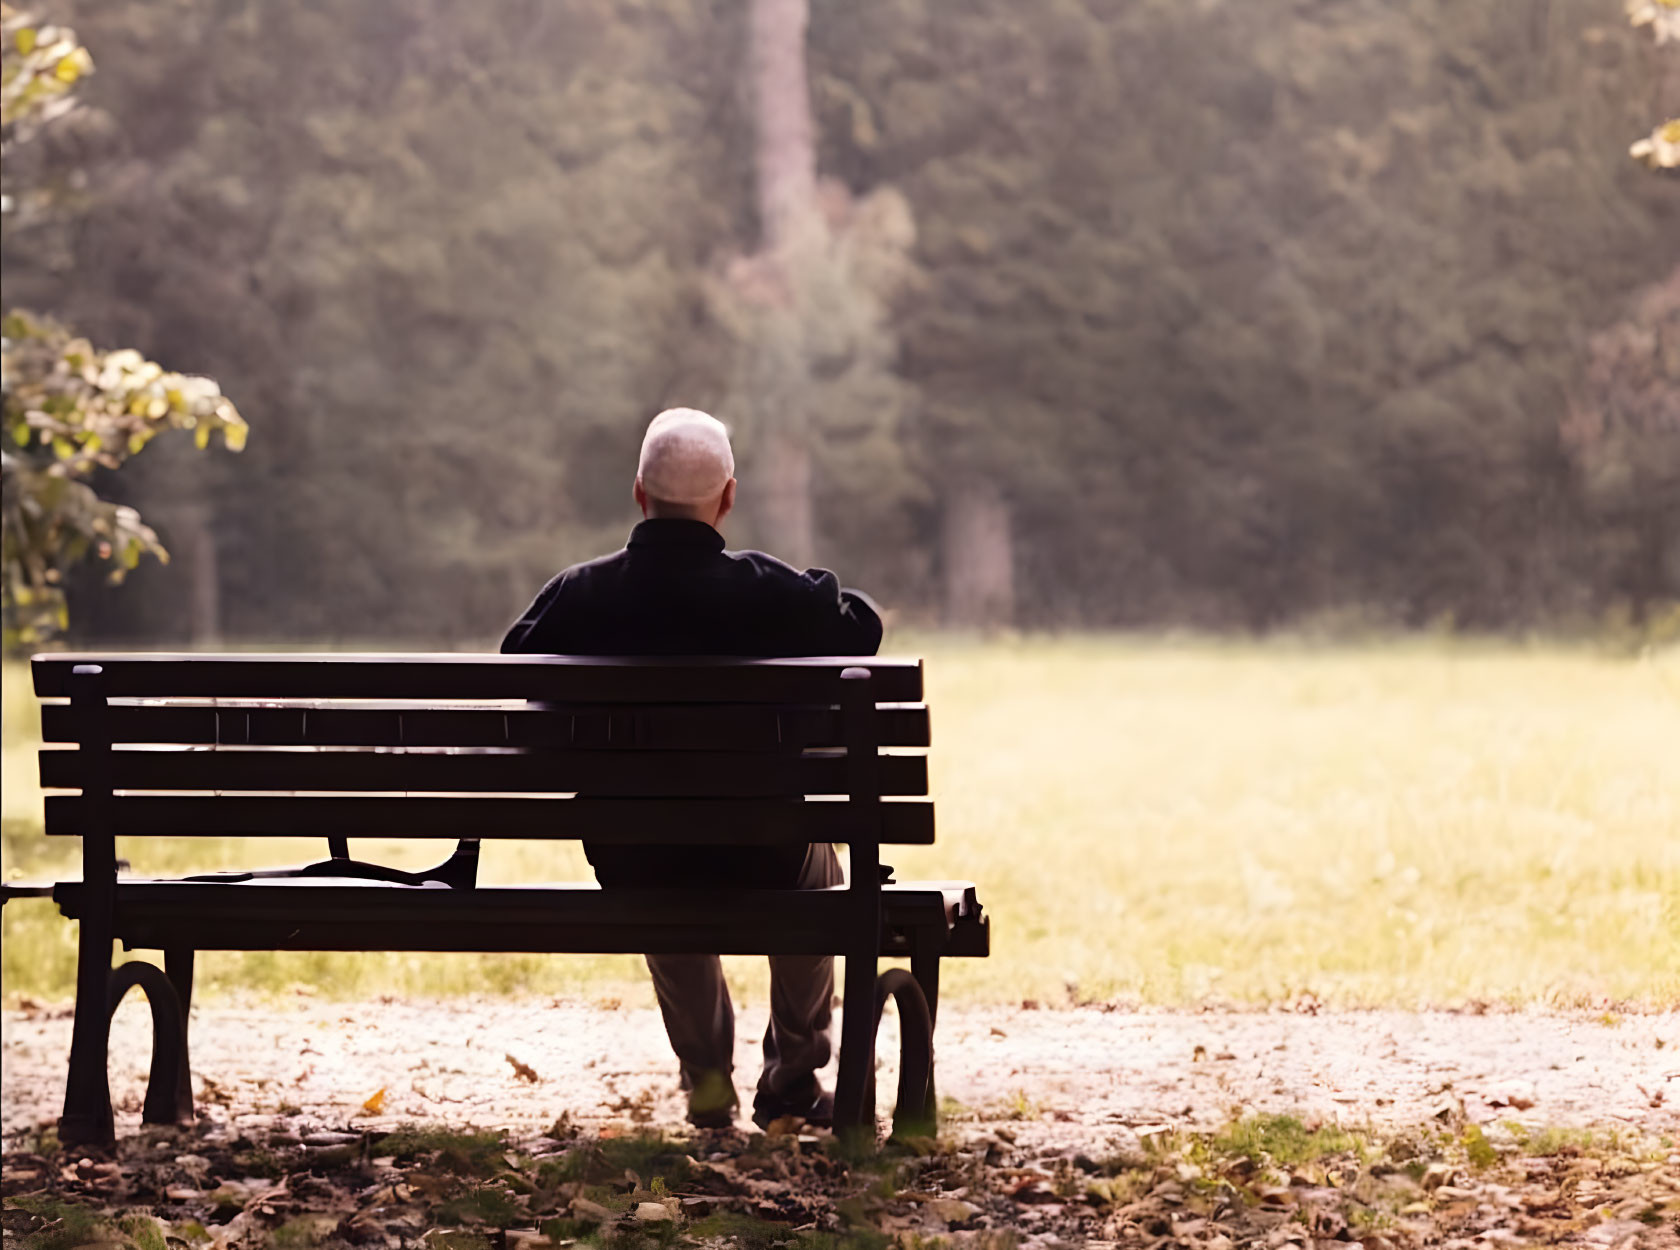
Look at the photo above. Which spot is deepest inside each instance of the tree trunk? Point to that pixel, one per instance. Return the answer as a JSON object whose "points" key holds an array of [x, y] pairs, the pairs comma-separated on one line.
{"points": [[785, 498], [979, 557], [786, 152], [206, 582], [187, 531], [786, 162], [1651, 582]]}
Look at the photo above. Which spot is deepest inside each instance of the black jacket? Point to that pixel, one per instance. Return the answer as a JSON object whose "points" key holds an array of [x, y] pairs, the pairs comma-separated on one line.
{"points": [[674, 590]]}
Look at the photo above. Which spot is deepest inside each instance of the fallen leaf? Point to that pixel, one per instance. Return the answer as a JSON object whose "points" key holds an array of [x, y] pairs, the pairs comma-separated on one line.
{"points": [[953, 1210], [321, 1139], [375, 1101], [1034, 1189]]}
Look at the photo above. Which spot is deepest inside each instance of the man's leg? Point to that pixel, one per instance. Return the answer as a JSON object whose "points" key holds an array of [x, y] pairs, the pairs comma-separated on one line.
{"points": [[700, 1021], [799, 1041]]}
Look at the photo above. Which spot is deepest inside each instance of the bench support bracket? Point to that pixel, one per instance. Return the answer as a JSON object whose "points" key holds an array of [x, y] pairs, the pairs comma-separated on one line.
{"points": [[913, 1114], [87, 1116]]}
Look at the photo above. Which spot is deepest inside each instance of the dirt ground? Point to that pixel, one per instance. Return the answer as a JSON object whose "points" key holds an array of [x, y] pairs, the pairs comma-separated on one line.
{"points": [[1081, 1076], [497, 1125]]}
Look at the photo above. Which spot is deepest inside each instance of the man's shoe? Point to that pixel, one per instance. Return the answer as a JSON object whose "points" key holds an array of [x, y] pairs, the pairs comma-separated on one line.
{"points": [[816, 1109], [712, 1102]]}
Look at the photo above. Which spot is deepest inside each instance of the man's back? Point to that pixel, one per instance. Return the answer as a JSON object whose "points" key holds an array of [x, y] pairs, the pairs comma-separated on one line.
{"points": [[674, 590]]}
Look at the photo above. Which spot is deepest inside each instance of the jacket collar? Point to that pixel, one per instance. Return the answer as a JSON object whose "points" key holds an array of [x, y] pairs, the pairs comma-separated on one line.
{"points": [[676, 532]]}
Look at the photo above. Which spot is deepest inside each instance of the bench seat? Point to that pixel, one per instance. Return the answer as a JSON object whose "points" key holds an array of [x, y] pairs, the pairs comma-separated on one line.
{"points": [[325, 913]]}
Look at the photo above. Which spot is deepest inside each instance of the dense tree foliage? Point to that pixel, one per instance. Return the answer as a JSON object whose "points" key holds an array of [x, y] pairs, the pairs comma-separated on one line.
{"points": [[1206, 314], [1267, 307]]}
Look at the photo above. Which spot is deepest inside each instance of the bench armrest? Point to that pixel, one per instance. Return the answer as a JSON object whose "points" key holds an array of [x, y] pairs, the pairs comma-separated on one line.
{"points": [[25, 889]]}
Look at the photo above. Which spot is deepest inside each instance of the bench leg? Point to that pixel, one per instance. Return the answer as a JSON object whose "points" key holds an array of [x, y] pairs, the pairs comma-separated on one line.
{"points": [[87, 1093], [179, 965], [915, 1060], [163, 1101], [854, 1110], [924, 966]]}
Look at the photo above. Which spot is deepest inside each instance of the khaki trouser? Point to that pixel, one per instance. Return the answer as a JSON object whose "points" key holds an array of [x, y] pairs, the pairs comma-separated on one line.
{"points": [[700, 1019]]}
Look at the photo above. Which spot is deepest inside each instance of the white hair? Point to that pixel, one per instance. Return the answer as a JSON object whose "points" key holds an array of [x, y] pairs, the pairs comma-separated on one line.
{"points": [[686, 457]]}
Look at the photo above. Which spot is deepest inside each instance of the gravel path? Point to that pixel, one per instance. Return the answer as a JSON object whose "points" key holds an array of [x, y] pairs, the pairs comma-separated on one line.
{"points": [[1057, 1076]]}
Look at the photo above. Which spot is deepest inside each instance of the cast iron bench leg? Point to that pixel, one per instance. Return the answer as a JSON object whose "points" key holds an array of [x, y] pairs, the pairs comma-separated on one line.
{"points": [[163, 1086], [854, 1114], [87, 1118], [179, 965], [87, 1092], [924, 966], [911, 1117]]}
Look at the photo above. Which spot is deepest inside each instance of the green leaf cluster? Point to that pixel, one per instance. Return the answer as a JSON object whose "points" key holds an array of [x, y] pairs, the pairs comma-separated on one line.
{"points": [[41, 66]]}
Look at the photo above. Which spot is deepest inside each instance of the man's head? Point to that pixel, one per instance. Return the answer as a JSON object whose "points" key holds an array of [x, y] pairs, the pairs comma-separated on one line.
{"points": [[687, 468]]}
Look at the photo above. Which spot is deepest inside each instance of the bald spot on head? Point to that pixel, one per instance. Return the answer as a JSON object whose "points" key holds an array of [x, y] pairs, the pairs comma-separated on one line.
{"points": [[686, 463]]}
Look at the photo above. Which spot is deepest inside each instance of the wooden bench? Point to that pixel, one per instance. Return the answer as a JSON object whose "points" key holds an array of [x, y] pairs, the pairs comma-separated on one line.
{"points": [[702, 752]]}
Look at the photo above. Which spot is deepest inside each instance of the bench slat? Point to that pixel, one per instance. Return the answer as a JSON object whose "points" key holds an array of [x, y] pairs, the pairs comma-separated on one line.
{"points": [[690, 774], [563, 917], [746, 822], [693, 727], [563, 678]]}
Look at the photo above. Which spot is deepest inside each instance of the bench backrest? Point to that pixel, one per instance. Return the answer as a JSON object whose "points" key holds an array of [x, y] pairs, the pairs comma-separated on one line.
{"points": [[451, 746]]}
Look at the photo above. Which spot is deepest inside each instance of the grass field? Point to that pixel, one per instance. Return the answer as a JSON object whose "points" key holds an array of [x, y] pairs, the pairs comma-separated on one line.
{"points": [[1178, 822]]}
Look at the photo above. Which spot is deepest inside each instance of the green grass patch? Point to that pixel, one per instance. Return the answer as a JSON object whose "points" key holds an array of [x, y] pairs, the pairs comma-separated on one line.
{"points": [[455, 1239], [482, 1204], [1554, 1140], [260, 1162], [61, 1224], [1397, 824], [465, 1153], [870, 1239], [145, 1232], [1280, 1140], [653, 1157], [559, 1230], [744, 1231], [1477, 1148], [297, 1234]]}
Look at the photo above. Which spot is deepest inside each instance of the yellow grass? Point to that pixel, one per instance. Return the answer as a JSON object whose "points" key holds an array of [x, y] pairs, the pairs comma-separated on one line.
{"points": [[1177, 822]]}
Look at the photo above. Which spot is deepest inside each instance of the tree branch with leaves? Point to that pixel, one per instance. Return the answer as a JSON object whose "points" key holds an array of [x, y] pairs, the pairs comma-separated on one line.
{"points": [[69, 409], [1660, 150]]}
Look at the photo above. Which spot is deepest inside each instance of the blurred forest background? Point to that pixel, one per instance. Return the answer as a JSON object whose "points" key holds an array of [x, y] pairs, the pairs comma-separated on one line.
{"points": [[1111, 313]]}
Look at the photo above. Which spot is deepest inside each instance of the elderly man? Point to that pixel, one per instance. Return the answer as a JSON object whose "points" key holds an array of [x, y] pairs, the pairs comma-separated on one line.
{"points": [[674, 590]]}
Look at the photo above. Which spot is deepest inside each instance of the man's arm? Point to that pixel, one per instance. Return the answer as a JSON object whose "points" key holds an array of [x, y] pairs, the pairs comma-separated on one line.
{"points": [[520, 636], [847, 621]]}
